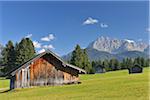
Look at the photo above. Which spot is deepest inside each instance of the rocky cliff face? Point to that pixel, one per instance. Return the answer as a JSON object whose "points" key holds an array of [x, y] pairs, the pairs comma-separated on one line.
{"points": [[115, 46]]}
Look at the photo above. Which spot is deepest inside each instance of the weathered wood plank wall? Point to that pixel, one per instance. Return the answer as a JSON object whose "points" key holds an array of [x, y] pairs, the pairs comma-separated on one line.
{"points": [[46, 70]]}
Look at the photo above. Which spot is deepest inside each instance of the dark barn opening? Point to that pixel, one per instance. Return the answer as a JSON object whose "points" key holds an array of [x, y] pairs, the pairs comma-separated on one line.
{"points": [[135, 69]]}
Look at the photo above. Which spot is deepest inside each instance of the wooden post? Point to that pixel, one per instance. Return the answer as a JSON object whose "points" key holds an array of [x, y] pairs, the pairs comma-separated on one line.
{"points": [[22, 83], [25, 77], [19, 80], [28, 76]]}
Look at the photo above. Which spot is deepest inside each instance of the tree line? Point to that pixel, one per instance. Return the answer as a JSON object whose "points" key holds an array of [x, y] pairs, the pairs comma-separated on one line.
{"points": [[80, 58], [15, 55], [113, 64]]}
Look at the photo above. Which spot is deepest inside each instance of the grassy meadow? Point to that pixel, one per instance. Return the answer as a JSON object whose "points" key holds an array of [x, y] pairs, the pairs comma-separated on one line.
{"points": [[118, 85]]}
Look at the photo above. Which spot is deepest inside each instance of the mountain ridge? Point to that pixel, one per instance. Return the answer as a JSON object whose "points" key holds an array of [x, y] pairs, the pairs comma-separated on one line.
{"points": [[107, 48], [113, 45]]}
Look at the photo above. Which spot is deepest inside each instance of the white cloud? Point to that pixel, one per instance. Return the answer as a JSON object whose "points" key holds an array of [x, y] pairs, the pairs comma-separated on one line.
{"points": [[48, 46], [45, 47], [90, 21], [130, 41], [41, 51], [28, 36], [48, 38], [36, 44], [148, 29], [103, 25]]}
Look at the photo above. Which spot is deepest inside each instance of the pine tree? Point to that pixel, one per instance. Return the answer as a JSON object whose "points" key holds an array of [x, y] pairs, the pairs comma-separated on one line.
{"points": [[105, 64], [93, 66], [86, 63], [114, 64], [80, 58], [147, 62], [8, 55], [77, 57], [142, 60], [137, 61], [24, 51], [117, 65], [123, 64], [129, 63]]}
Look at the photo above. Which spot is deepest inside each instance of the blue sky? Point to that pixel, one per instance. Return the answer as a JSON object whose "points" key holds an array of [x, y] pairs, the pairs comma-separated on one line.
{"points": [[62, 25]]}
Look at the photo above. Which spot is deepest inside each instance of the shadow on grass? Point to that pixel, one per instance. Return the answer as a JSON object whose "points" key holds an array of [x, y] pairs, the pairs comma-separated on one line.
{"points": [[5, 91]]}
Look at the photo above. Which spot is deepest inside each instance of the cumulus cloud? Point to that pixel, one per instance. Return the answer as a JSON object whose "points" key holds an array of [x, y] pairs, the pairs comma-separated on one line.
{"points": [[90, 21], [28, 36], [148, 30], [41, 51], [36, 44], [48, 46], [45, 47], [48, 38], [103, 25], [130, 41]]}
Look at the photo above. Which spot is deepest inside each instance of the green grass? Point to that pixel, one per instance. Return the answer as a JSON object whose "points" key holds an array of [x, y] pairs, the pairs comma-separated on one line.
{"points": [[118, 85], [4, 83]]}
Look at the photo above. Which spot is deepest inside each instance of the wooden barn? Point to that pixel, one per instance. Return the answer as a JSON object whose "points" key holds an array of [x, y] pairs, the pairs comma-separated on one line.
{"points": [[44, 69], [135, 69], [100, 69]]}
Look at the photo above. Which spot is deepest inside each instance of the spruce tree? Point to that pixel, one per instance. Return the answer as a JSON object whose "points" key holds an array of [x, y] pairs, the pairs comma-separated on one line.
{"points": [[123, 64], [106, 65], [137, 61], [147, 62], [129, 62], [24, 51], [114, 64], [93, 66], [117, 65], [80, 58], [86, 63], [8, 57], [77, 57], [142, 62]]}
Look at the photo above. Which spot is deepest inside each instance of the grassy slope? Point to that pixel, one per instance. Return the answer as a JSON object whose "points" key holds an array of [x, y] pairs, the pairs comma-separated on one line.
{"points": [[109, 86]]}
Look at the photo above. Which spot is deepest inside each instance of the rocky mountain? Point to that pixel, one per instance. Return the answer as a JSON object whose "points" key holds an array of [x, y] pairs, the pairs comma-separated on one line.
{"points": [[107, 48], [105, 44], [115, 46]]}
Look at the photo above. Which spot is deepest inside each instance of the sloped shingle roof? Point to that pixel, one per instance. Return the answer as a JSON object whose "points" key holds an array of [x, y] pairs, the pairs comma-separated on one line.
{"points": [[40, 55]]}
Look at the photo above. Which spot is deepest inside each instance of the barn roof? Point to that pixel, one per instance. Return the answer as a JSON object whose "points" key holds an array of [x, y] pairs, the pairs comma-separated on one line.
{"points": [[40, 55]]}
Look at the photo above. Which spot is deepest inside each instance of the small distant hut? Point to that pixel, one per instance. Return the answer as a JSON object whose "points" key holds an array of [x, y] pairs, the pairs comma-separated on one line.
{"points": [[100, 69], [45, 69], [135, 69]]}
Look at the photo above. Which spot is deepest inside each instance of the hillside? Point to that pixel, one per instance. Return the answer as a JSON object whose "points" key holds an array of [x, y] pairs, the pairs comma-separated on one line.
{"points": [[118, 85]]}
